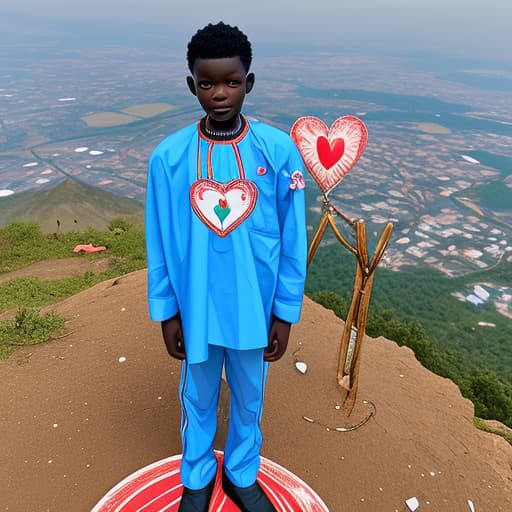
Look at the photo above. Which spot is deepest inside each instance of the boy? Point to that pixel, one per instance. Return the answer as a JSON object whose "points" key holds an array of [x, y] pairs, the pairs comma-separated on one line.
{"points": [[226, 248]]}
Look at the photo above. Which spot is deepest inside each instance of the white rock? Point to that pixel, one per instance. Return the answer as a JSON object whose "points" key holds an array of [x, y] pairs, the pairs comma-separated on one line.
{"points": [[301, 366], [412, 503]]}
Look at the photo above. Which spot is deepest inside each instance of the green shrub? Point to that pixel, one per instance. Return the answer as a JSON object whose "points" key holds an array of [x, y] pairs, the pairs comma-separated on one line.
{"points": [[492, 398], [22, 233], [120, 225], [480, 424], [331, 300], [28, 327]]}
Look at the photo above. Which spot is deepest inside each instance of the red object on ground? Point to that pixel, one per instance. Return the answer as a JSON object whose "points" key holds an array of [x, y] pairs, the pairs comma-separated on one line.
{"points": [[89, 248], [158, 488]]}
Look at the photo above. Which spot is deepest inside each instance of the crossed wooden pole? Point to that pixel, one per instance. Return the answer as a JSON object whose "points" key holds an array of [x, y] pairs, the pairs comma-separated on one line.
{"points": [[350, 347]]}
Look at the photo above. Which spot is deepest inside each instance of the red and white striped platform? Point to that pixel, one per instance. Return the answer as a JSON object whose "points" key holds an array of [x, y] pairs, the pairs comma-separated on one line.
{"points": [[158, 488]]}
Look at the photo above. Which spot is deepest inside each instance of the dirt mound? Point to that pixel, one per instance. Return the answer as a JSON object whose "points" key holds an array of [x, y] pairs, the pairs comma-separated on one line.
{"points": [[80, 413]]}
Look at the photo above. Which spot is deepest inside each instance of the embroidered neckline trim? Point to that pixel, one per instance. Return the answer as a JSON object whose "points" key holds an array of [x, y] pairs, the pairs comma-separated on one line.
{"points": [[220, 135], [209, 167]]}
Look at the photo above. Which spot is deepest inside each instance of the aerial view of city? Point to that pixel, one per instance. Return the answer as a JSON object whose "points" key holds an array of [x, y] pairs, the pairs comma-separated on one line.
{"points": [[438, 163]]}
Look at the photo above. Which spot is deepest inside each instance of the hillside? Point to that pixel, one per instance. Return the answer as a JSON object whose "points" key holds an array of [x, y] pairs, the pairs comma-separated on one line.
{"points": [[76, 420], [430, 298], [73, 203]]}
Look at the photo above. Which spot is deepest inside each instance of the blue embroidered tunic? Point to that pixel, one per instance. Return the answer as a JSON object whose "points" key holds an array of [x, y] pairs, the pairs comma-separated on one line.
{"points": [[226, 288]]}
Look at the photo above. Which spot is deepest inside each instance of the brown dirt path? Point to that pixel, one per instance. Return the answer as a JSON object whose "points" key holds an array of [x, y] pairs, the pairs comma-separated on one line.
{"points": [[59, 268]]}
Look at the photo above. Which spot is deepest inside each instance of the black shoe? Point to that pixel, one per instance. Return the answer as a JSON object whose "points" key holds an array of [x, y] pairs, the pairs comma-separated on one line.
{"points": [[247, 499], [196, 500]]}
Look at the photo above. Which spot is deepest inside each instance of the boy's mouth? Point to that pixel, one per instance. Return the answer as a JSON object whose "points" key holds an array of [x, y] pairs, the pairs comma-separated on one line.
{"points": [[221, 111]]}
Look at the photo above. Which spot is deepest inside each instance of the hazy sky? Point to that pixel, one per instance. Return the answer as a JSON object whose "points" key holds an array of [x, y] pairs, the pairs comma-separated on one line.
{"points": [[479, 28]]}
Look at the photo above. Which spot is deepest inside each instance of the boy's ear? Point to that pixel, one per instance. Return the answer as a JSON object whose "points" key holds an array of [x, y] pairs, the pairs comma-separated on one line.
{"points": [[191, 85], [249, 82]]}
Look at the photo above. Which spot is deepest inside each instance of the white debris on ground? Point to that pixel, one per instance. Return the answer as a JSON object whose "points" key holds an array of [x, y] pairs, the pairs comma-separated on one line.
{"points": [[412, 503], [301, 366]]}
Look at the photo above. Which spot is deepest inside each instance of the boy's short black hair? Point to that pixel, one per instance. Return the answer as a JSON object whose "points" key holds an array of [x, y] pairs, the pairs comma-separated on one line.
{"points": [[217, 42]]}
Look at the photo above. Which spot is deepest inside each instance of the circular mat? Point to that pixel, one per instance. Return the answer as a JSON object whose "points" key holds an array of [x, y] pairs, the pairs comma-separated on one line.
{"points": [[158, 488]]}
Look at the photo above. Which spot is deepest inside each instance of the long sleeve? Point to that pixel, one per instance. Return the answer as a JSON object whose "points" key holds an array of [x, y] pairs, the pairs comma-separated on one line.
{"points": [[292, 263], [161, 297]]}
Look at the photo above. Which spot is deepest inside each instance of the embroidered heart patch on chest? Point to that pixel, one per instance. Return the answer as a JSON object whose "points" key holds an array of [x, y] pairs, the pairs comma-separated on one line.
{"points": [[329, 153], [223, 206]]}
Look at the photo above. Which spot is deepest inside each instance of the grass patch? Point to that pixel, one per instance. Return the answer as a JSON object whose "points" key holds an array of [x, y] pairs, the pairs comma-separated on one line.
{"points": [[24, 243], [481, 425], [31, 292], [28, 327]]}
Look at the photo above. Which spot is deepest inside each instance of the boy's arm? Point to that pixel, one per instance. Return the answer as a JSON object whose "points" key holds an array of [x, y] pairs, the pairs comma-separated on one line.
{"points": [[293, 257], [162, 301], [292, 263]]}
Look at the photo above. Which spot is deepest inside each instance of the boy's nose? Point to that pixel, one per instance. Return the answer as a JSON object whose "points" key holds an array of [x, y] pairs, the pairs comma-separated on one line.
{"points": [[219, 93]]}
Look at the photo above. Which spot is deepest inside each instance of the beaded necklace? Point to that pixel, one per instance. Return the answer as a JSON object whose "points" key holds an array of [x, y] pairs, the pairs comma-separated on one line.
{"points": [[222, 135]]}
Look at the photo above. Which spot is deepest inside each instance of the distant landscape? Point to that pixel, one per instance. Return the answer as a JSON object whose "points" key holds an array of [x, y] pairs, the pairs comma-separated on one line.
{"points": [[438, 165]]}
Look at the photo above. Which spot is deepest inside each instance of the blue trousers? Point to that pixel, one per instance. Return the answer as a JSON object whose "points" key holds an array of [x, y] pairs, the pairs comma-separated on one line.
{"points": [[246, 373]]}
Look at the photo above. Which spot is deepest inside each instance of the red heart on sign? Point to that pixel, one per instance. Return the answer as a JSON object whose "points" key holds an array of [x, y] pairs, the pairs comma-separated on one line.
{"points": [[329, 153]]}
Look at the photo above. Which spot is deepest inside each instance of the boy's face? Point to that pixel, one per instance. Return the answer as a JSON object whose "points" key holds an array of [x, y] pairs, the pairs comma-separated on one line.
{"points": [[220, 86]]}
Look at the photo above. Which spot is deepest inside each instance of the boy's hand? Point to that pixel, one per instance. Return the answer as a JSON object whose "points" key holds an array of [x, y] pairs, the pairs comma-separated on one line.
{"points": [[173, 337], [277, 340]]}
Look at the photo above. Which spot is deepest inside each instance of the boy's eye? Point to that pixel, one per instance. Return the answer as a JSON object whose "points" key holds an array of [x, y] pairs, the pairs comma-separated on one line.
{"points": [[204, 84], [234, 83]]}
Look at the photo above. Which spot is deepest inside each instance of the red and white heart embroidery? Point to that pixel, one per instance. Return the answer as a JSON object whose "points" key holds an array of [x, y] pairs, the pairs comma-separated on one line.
{"points": [[329, 153], [223, 206]]}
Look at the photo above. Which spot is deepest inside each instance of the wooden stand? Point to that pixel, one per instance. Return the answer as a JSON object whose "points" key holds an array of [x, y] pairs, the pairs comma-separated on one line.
{"points": [[355, 324]]}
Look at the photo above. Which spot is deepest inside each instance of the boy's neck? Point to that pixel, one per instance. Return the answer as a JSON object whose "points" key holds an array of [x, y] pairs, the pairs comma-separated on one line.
{"points": [[217, 132]]}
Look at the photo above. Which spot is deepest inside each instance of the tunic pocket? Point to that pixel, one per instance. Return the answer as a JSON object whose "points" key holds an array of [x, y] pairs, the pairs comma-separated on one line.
{"points": [[266, 246], [266, 249]]}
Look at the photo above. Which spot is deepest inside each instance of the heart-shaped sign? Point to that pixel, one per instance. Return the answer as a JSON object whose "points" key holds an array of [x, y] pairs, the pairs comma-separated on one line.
{"points": [[329, 153], [223, 206]]}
